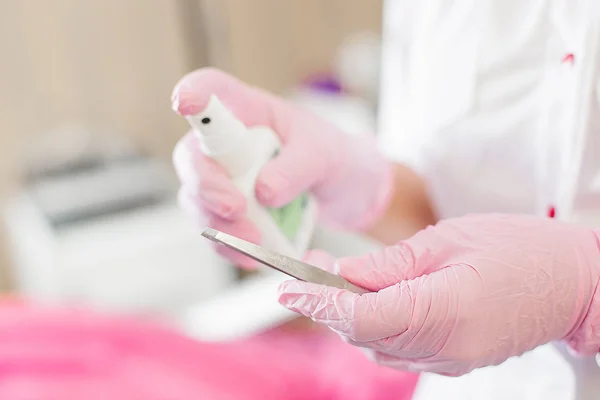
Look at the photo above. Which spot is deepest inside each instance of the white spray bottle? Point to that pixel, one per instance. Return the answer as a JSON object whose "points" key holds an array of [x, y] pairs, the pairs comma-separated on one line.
{"points": [[243, 152]]}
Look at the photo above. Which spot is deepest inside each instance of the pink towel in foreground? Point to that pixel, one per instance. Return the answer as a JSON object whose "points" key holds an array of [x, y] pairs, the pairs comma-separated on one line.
{"points": [[73, 355]]}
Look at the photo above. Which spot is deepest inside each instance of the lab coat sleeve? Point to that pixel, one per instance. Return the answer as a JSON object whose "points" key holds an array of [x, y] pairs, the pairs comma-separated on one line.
{"points": [[396, 140]]}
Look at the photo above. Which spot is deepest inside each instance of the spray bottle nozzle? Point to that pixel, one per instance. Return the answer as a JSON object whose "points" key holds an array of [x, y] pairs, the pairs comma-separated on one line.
{"points": [[217, 127]]}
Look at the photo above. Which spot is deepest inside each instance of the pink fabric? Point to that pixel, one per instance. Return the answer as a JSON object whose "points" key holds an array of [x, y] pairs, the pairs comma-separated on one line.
{"points": [[62, 355], [350, 178], [467, 293]]}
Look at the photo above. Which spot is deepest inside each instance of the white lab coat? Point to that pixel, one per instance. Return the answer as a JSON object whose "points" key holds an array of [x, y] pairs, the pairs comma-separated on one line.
{"points": [[496, 104]]}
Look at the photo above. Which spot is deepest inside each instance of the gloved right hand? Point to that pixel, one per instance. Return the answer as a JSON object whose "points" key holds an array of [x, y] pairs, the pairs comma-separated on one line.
{"points": [[348, 176], [466, 293]]}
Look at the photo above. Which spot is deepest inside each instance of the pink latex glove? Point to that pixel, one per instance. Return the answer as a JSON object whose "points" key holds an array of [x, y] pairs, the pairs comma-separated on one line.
{"points": [[48, 354], [466, 293], [350, 179]]}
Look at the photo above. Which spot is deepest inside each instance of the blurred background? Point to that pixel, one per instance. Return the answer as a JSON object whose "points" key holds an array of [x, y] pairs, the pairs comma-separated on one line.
{"points": [[88, 193], [86, 184]]}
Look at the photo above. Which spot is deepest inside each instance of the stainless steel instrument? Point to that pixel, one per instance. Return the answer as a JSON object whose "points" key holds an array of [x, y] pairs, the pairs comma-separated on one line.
{"points": [[292, 267]]}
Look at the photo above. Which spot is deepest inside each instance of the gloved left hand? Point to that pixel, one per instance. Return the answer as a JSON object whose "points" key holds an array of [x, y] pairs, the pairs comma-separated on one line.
{"points": [[349, 177], [466, 293]]}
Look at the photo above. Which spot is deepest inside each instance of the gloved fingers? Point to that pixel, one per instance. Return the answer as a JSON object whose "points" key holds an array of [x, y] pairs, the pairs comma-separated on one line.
{"points": [[320, 259], [323, 304], [239, 260], [242, 228], [289, 174], [440, 367], [433, 301], [358, 317], [220, 203], [443, 367], [421, 254], [411, 317], [193, 92], [251, 105], [205, 184], [189, 205], [380, 269], [395, 348], [391, 361]]}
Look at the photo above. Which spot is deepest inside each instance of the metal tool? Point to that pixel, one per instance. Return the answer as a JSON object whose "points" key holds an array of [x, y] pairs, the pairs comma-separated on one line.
{"points": [[292, 267]]}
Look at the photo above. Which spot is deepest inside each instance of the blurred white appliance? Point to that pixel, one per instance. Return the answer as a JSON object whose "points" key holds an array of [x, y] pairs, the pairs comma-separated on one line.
{"points": [[106, 232]]}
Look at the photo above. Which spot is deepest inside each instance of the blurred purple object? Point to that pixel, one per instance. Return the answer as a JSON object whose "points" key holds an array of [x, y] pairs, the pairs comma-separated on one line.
{"points": [[324, 83]]}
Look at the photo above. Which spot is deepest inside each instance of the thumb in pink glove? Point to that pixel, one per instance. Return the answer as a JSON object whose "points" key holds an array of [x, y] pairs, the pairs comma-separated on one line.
{"points": [[466, 293], [348, 176]]}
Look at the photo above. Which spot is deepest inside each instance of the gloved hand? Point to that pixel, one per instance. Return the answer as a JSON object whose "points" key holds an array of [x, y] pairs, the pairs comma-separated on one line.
{"points": [[466, 293], [350, 179]]}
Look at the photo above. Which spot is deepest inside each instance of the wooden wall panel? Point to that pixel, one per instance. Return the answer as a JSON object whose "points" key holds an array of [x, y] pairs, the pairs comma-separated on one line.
{"points": [[108, 65], [111, 64], [274, 43]]}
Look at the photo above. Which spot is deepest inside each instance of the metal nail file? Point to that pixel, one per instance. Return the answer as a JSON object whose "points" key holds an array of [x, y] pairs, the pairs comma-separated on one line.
{"points": [[292, 267]]}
